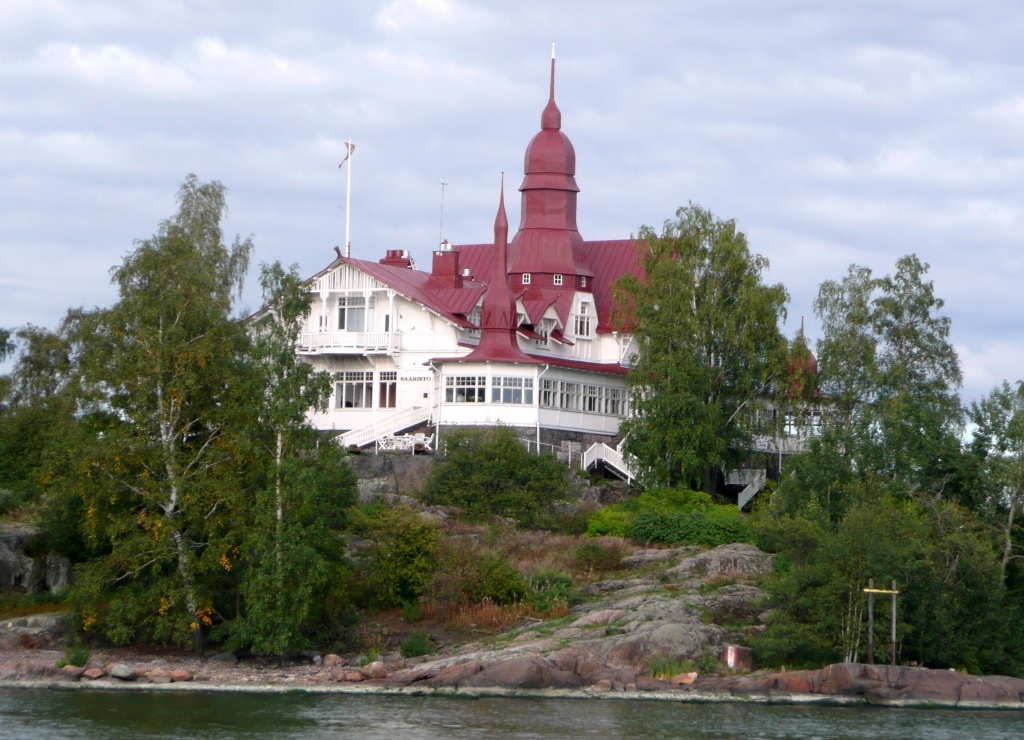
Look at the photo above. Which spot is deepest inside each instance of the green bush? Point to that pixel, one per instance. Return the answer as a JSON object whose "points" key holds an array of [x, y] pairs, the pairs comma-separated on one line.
{"points": [[77, 655], [672, 516], [486, 471], [594, 556], [415, 645], [403, 557], [494, 577], [549, 588], [610, 522], [709, 528]]}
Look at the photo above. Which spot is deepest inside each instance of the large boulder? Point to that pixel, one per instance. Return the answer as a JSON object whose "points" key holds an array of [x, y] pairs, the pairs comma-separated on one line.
{"points": [[735, 560], [523, 673]]}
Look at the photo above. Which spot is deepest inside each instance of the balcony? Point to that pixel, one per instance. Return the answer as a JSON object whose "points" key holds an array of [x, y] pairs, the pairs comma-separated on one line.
{"points": [[346, 342]]}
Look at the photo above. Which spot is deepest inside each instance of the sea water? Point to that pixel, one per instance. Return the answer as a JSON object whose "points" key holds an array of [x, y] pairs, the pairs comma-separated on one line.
{"points": [[42, 713]]}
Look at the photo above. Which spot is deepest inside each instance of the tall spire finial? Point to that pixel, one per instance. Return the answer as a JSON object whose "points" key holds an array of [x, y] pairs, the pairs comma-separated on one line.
{"points": [[501, 227], [551, 117]]}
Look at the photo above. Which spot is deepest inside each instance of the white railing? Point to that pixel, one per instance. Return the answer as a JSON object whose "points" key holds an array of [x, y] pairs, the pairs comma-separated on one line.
{"points": [[613, 457], [382, 427], [380, 341], [564, 453]]}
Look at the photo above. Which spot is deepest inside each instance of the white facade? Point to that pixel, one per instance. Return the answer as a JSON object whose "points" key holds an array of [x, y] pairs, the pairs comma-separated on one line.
{"points": [[380, 348]]}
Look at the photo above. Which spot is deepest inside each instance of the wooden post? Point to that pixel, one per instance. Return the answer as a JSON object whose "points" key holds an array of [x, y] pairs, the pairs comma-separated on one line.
{"points": [[871, 621], [871, 591], [892, 635]]}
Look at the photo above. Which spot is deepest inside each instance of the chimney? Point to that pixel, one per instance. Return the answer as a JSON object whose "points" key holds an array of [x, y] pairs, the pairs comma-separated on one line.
{"points": [[445, 269], [397, 258]]}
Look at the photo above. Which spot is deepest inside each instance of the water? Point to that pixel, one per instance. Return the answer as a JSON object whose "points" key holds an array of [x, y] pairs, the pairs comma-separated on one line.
{"points": [[31, 713]]}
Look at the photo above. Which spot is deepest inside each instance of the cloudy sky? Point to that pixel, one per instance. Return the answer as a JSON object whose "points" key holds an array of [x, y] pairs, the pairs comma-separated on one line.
{"points": [[833, 132]]}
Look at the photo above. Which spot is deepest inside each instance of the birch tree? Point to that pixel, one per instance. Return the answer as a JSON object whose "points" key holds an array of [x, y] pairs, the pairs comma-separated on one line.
{"points": [[166, 359], [301, 487], [710, 347]]}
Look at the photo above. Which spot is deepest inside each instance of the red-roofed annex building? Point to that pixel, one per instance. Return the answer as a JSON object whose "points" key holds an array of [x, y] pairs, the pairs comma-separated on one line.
{"points": [[517, 333]]}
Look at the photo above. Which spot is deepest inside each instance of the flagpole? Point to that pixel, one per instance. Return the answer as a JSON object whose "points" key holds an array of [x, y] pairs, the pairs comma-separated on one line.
{"points": [[348, 199], [349, 149]]}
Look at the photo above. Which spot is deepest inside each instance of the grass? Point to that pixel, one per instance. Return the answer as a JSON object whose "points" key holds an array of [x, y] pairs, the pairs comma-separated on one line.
{"points": [[21, 605], [77, 655], [416, 644], [667, 666]]}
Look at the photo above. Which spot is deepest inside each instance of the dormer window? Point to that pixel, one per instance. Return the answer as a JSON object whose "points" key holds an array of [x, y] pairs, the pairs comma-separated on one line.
{"points": [[526, 278], [583, 282], [558, 279]]}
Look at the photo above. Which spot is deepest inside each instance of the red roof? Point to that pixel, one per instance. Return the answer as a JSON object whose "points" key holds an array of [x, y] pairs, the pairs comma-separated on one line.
{"points": [[452, 303]]}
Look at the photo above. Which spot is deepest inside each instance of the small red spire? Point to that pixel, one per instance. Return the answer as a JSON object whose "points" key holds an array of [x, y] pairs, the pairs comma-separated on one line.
{"points": [[501, 222]]}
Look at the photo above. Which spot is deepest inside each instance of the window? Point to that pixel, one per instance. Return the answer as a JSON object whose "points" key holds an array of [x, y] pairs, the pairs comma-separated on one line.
{"points": [[581, 321], [614, 401], [583, 281], [591, 398], [789, 427], [526, 278], [355, 313], [474, 319], [354, 391], [512, 390], [549, 393], [387, 389], [569, 396], [387, 323], [323, 322], [465, 389], [816, 424], [558, 279]]}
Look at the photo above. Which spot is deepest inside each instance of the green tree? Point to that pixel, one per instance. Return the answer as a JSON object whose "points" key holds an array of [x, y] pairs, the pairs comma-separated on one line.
{"points": [[302, 488], [166, 359], [39, 401], [486, 471], [891, 376], [998, 440], [709, 347]]}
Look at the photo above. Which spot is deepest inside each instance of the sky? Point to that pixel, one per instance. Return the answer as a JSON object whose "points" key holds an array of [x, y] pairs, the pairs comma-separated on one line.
{"points": [[833, 133]]}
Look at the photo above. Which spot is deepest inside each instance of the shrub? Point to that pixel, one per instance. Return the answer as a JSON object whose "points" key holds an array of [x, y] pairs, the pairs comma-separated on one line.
{"points": [[609, 521], [415, 645], [671, 517], [494, 577], [692, 528], [77, 655], [486, 471], [596, 557], [550, 589], [403, 557]]}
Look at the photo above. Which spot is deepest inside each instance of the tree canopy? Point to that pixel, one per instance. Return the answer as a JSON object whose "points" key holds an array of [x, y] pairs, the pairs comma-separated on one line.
{"points": [[709, 347]]}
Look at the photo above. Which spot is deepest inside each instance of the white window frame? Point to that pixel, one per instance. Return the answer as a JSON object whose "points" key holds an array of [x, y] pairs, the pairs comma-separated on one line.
{"points": [[465, 389], [526, 278], [353, 389], [512, 390], [558, 278]]}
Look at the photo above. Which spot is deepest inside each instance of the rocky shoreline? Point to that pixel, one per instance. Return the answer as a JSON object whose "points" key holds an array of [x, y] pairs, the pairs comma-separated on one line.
{"points": [[679, 611], [843, 684]]}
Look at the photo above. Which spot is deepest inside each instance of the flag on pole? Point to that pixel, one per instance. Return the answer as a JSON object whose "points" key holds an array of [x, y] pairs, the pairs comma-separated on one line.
{"points": [[349, 148]]}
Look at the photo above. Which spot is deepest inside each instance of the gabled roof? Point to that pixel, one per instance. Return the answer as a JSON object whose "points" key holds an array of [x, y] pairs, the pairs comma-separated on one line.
{"points": [[451, 303]]}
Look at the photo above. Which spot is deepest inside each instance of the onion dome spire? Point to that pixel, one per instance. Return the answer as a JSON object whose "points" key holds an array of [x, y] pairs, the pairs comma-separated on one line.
{"points": [[548, 241]]}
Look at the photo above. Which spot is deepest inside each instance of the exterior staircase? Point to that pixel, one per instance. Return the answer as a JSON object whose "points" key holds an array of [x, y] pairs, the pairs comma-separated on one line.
{"points": [[404, 419], [752, 480], [612, 457]]}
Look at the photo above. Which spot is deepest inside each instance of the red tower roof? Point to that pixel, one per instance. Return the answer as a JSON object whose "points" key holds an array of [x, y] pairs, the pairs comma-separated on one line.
{"points": [[548, 241]]}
